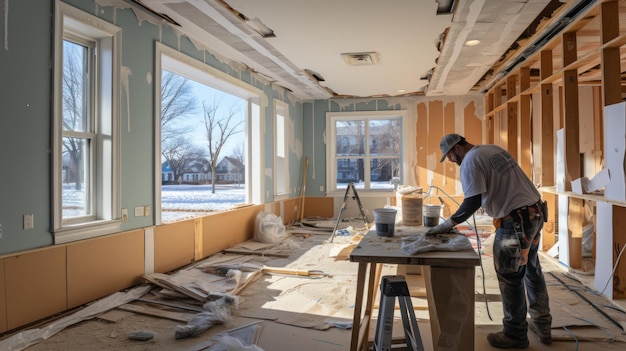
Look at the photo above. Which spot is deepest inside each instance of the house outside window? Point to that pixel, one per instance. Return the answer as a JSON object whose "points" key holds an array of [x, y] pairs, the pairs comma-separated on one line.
{"points": [[365, 148], [86, 142]]}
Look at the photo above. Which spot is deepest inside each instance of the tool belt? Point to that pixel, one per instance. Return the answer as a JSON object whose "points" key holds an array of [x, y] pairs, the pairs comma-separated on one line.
{"points": [[530, 213]]}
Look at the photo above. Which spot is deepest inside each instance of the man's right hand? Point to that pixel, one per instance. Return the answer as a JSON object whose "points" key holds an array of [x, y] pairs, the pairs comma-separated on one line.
{"points": [[442, 228]]}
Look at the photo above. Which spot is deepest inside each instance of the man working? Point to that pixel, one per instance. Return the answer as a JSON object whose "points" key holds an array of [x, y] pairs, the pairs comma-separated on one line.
{"points": [[492, 179]]}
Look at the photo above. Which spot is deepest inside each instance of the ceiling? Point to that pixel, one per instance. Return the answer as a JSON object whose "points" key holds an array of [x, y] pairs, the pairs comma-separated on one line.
{"points": [[398, 48]]}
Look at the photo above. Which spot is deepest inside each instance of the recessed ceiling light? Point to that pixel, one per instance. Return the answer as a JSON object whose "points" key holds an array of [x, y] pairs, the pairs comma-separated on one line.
{"points": [[472, 42], [401, 91]]}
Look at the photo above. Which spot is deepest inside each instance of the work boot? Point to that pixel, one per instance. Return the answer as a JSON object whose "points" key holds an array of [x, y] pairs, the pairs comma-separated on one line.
{"points": [[502, 341], [544, 334]]}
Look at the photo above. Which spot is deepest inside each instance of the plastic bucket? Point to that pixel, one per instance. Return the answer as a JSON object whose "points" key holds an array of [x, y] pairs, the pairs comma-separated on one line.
{"points": [[431, 215], [385, 219]]}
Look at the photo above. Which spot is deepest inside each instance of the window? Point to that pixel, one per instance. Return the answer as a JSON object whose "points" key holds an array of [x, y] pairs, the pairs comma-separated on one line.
{"points": [[281, 149], [365, 148], [209, 139], [86, 146]]}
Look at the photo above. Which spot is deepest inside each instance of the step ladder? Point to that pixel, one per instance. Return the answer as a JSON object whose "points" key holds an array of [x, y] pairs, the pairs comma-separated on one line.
{"points": [[392, 286], [355, 196]]}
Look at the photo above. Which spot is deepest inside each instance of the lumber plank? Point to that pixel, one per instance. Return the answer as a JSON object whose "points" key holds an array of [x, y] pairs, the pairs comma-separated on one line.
{"points": [[155, 312]]}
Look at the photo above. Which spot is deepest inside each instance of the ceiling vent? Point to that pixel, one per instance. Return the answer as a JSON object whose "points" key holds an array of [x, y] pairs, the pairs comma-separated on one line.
{"points": [[361, 58]]}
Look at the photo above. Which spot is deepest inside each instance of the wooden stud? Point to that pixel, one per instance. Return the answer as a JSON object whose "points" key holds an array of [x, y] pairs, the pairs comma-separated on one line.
{"points": [[575, 226], [512, 118], [547, 121], [611, 70], [525, 130], [619, 241], [570, 100]]}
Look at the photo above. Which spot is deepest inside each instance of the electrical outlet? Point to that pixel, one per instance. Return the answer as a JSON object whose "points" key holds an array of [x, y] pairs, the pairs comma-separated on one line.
{"points": [[29, 221], [124, 215], [146, 210], [139, 211]]}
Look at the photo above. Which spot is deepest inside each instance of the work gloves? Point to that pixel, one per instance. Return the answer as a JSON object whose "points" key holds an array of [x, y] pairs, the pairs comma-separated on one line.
{"points": [[443, 228]]}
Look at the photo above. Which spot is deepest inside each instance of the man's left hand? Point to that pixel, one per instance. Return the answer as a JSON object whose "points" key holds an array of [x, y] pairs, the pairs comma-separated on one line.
{"points": [[442, 228]]}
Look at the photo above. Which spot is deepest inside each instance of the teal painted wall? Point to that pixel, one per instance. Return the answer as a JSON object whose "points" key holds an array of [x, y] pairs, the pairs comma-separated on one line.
{"points": [[26, 58]]}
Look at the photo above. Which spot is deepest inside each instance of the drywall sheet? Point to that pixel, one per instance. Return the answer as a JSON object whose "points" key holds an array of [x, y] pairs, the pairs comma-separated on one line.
{"points": [[174, 245], [603, 279], [3, 300], [560, 160], [318, 207], [449, 168], [104, 265], [435, 133], [35, 285], [225, 229], [291, 209], [421, 137], [563, 230], [614, 147]]}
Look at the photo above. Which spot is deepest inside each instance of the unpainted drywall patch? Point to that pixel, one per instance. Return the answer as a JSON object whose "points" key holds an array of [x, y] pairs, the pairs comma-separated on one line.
{"points": [[297, 148], [124, 78], [142, 15]]}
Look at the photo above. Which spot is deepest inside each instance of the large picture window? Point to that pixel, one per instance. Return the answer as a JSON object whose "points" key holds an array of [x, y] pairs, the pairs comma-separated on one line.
{"points": [[209, 139], [365, 148], [86, 146]]}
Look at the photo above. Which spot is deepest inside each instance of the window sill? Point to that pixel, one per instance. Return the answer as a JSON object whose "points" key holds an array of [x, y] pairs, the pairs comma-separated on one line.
{"points": [[88, 230], [362, 193]]}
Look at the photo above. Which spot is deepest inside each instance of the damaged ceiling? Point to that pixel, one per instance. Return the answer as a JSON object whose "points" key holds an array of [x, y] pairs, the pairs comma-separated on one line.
{"points": [[354, 48]]}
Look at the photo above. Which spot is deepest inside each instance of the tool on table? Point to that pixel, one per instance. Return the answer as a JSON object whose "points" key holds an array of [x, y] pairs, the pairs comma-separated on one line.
{"points": [[355, 196], [392, 286]]}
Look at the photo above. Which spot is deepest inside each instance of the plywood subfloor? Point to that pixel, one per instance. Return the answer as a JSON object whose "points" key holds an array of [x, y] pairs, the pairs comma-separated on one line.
{"points": [[299, 313]]}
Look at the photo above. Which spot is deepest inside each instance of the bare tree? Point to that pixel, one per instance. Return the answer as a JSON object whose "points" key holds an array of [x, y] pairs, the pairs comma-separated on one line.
{"points": [[74, 110], [177, 102], [220, 127], [179, 153]]}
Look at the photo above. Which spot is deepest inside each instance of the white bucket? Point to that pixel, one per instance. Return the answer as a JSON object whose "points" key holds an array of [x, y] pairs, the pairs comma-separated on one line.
{"points": [[431, 214], [385, 219]]}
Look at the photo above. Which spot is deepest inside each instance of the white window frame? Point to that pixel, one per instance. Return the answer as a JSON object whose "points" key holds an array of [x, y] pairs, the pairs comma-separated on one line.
{"points": [[331, 147], [281, 147], [186, 66], [104, 106]]}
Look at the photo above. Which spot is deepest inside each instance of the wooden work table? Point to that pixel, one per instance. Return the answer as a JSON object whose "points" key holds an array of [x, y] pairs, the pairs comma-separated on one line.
{"points": [[449, 278]]}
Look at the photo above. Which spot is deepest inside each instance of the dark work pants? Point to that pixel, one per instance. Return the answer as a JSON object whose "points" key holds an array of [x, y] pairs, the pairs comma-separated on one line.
{"points": [[519, 282]]}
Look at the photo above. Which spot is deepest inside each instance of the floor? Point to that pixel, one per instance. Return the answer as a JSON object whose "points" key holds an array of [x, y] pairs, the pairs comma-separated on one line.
{"points": [[297, 311]]}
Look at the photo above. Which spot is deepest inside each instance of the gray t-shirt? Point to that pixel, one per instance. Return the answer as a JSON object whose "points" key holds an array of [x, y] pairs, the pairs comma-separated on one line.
{"points": [[491, 171]]}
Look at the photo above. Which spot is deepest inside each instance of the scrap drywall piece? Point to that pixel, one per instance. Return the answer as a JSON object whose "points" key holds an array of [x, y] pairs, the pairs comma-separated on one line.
{"points": [[579, 186], [585, 186], [603, 276], [560, 160], [599, 181], [614, 150], [563, 229], [30, 337]]}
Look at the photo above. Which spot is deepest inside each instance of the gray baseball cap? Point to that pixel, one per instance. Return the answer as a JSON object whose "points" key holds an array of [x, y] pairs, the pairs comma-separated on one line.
{"points": [[447, 143]]}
